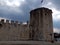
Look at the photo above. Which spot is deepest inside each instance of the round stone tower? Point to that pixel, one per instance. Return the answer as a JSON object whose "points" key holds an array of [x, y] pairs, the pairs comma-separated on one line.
{"points": [[41, 26]]}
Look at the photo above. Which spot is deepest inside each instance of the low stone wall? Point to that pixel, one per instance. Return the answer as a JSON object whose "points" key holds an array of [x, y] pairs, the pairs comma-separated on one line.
{"points": [[28, 43]]}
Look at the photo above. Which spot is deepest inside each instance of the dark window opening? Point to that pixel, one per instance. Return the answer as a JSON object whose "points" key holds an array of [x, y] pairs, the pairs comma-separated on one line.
{"points": [[0, 25]]}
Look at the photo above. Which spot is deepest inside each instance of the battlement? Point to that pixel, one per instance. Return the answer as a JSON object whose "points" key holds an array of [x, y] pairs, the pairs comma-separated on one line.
{"points": [[13, 22], [42, 10]]}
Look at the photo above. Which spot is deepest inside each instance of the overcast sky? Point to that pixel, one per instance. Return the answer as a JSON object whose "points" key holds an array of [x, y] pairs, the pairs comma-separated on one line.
{"points": [[19, 10]]}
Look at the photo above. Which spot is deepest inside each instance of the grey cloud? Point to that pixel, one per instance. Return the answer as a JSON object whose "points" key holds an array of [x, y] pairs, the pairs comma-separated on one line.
{"points": [[25, 8], [56, 3]]}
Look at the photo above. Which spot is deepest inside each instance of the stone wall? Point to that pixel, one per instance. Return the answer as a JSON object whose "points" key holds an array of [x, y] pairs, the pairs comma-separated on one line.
{"points": [[41, 25], [13, 31]]}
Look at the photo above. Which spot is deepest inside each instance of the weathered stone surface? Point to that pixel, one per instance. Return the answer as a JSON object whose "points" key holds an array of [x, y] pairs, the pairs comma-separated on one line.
{"points": [[41, 25], [14, 32]]}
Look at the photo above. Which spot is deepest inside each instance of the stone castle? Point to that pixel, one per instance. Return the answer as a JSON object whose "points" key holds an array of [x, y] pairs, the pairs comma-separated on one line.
{"points": [[40, 27]]}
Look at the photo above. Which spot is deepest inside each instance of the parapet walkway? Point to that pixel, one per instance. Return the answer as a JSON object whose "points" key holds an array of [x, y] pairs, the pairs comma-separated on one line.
{"points": [[28, 43]]}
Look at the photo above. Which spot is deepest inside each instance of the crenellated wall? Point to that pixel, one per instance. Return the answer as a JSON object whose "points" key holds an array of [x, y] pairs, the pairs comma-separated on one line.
{"points": [[39, 28], [13, 31]]}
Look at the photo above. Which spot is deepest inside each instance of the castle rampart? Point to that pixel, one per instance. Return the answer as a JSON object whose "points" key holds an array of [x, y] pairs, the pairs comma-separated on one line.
{"points": [[13, 31], [39, 28]]}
